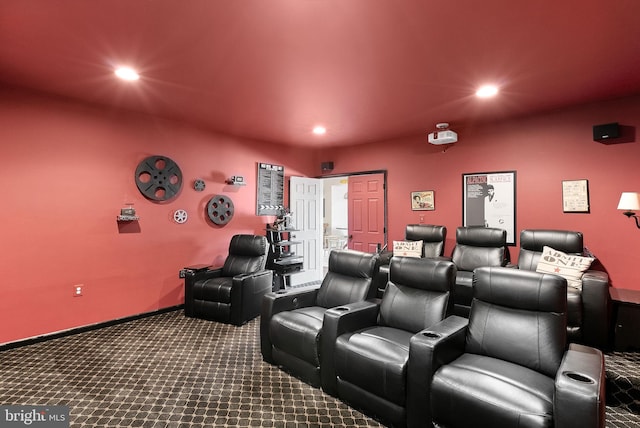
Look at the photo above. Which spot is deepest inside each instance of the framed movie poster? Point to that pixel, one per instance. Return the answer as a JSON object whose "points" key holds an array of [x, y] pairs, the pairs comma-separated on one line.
{"points": [[489, 200], [422, 201]]}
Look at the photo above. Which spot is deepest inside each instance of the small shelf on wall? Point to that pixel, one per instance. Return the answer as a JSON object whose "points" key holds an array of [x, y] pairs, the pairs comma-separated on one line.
{"points": [[125, 218], [127, 214]]}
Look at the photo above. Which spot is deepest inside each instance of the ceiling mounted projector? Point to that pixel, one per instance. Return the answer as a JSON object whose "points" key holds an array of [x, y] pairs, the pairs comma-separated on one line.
{"points": [[443, 135]]}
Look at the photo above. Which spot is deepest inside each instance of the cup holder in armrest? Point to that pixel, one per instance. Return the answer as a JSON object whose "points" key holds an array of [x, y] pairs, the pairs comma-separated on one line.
{"points": [[431, 335], [341, 308], [577, 377], [281, 292]]}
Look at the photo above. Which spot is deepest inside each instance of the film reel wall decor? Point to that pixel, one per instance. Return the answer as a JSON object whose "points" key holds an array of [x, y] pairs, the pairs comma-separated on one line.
{"points": [[220, 210], [158, 178], [180, 216], [199, 185]]}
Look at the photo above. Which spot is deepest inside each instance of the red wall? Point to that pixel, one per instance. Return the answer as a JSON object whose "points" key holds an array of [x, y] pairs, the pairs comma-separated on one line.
{"points": [[544, 150], [67, 169]]}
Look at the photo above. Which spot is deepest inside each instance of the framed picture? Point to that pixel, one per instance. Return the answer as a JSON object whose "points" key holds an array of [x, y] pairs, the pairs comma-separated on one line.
{"points": [[489, 200], [423, 201], [575, 196]]}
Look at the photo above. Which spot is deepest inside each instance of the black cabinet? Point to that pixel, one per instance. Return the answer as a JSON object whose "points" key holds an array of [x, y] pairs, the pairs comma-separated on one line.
{"points": [[626, 316], [282, 260]]}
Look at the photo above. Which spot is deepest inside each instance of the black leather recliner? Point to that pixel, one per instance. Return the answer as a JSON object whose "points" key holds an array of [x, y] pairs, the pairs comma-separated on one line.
{"points": [[508, 365], [433, 240], [588, 309], [365, 345], [233, 293], [476, 246], [291, 320]]}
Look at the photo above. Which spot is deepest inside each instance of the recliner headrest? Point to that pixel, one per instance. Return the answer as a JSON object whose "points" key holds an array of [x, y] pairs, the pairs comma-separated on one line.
{"points": [[248, 245], [425, 233], [352, 263], [479, 236], [564, 240], [520, 289], [423, 274]]}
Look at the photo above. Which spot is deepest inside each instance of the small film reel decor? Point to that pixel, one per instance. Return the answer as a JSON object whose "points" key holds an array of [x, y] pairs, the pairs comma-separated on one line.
{"points": [[180, 216], [220, 209], [199, 185], [158, 178]]}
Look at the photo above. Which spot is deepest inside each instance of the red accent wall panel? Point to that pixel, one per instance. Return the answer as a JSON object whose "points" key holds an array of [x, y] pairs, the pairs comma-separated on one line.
{"points": [[544, 150], [67, 171]]}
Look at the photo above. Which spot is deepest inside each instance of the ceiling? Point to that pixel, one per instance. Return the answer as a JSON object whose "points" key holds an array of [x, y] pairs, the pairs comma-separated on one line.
{"points": [[368, 70]]}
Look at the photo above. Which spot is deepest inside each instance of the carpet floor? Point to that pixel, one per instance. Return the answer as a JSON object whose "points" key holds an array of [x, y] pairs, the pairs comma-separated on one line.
{"points": [[167, 370]]}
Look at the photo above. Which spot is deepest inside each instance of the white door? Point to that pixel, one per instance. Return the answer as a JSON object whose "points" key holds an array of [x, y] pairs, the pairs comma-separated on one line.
{"points": [[305, 203]]}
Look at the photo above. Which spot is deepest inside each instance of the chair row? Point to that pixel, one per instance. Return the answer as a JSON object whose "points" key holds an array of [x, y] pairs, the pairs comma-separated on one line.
{"points": [[589, 301], [233, 293], [406, 361]]}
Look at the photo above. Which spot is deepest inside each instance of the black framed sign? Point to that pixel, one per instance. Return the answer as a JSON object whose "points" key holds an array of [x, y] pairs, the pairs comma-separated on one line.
{"points": [[575, 196], [270, 189], [489, 200]]}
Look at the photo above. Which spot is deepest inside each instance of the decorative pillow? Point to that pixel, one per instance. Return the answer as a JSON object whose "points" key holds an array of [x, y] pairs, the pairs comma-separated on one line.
{"points": [[407, 248], [568, 266]]}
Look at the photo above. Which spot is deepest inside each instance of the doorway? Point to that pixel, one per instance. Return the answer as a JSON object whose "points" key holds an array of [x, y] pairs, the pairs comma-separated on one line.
{"points": [[354, 212], [335, 220]]}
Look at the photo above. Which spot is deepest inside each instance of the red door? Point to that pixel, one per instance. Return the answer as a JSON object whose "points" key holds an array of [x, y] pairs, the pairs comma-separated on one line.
{"points": [[366, 212]]}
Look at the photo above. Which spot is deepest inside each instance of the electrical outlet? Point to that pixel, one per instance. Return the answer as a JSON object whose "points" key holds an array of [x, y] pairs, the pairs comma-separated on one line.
{"points": [[421, 218], [77, 290]]}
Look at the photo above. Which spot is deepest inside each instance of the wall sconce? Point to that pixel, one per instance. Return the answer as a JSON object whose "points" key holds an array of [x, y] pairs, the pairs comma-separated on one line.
{"points": [[630, 202]]}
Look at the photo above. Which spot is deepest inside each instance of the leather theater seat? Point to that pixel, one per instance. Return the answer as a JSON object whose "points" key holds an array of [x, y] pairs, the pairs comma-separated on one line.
{"points": [[292, 319], [476, 246], [433, 240], [589, 308], [508, 365], [365, 345], [233, 293]]}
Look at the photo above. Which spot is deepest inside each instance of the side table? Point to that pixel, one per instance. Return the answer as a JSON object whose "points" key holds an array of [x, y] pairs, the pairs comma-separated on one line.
{"points": [[626, 316]]}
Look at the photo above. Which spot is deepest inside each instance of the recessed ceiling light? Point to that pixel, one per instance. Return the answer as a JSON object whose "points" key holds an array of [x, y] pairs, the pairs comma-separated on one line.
{"points": [[487, 91], [319, 130], [127, 73]]}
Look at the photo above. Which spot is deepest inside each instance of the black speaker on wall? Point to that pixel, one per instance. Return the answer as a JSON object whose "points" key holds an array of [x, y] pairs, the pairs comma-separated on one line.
{"points": [[605, 132], [326, 166]]}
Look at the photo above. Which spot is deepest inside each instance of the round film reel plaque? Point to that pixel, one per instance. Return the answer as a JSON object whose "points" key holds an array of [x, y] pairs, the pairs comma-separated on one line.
{"points": [[220, 209]]}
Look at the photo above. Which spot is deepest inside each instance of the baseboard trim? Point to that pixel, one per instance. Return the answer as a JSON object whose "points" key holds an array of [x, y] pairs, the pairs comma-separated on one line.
{"points": [[82, 329]]}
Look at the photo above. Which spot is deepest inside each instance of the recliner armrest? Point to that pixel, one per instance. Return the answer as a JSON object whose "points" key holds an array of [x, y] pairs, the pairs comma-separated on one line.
{"points": [[580, 389], [289, 299], [207, 274], [596, 303], [385, 257], [246, 291], [252, 276], [190, 280], [337, 321], [429, 349], [279, 301]]}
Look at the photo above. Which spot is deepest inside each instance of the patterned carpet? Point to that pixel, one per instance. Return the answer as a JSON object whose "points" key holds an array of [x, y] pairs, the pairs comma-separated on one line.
{"points": [[623, 389], [167, 370]]}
